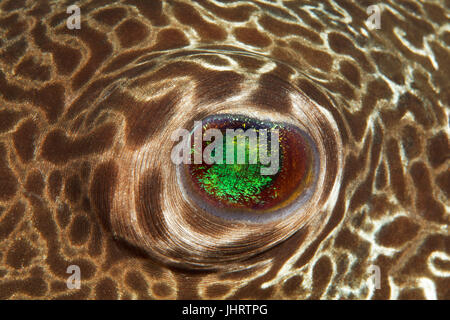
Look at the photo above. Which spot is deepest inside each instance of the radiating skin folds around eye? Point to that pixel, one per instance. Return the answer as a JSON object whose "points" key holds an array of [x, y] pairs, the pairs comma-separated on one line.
{"points": [[179, 231]]}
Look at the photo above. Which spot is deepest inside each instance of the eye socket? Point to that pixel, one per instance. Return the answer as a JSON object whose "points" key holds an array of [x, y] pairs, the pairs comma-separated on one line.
{"points": [[180, 213], [246, 169]]}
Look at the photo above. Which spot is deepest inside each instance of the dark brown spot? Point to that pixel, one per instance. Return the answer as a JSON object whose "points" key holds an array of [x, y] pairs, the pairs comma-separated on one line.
{"points": [[422, 84], [381, 177], [11, 92], [131, 32], [397, 232], [43, 218], [86, 204], [106, 290], [340, 87], [100, 49], [343, 45], [35, 182], [13, 52], [12, 5], [30, 69], [249, 63], [118, 250], [25, 139], [80, 230], [65, 57], [346, 239], [427, 206], [11, 219], [377, 89], [137, 282], [34, 286], [316, 58], [8, 118], [50, 99], [170, 39], [411, 142], [187, 15], [54, 184], [161, 289], [87, 267], [292, 285], [438, 149], [110, 16], [20, 254], [252, 37], [72, 188], [442, 264], [350, 72], [8, 181], [58, 148], [13, 25], [389, 65], [435, 12], [321, 276], [411, 294], [58, 286]]}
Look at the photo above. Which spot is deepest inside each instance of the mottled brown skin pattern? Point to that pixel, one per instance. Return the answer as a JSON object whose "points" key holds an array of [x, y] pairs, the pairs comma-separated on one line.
{"points": [[387, 89]]}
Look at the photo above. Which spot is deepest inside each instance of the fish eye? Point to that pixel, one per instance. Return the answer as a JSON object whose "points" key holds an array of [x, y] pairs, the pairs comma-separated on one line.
{"points": [[238, 161]]}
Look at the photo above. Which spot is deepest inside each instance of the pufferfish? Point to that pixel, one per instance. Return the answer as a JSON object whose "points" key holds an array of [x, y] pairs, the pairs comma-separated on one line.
{"points": [[358, 92]]}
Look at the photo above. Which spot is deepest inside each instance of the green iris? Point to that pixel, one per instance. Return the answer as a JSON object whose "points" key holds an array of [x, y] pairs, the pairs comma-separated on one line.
{"points": [[235, 183]]}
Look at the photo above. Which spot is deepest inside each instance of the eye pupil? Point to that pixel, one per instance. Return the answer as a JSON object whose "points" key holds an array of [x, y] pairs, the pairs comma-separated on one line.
{"points": [[255, 169]]}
